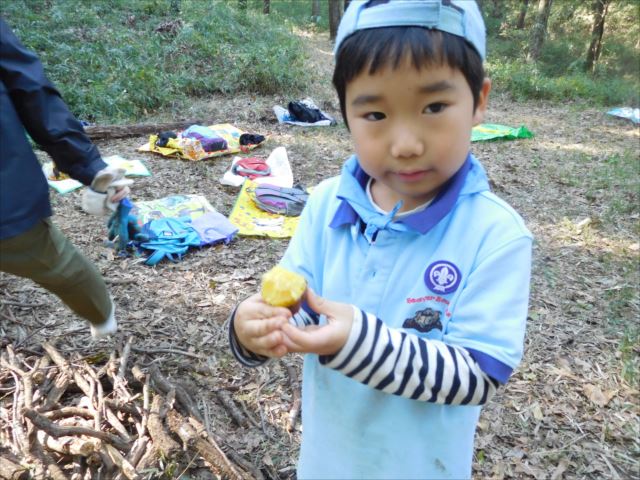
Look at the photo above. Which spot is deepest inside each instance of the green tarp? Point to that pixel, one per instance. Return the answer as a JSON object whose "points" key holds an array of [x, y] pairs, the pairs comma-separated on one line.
{"points": [[491, 131]]}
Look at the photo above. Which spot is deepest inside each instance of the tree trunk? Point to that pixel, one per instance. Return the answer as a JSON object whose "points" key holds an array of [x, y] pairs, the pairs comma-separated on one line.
{"points": [[522, 15], [599, 13], [266, 7], [315, 11], [539, 31], [335, 13]]}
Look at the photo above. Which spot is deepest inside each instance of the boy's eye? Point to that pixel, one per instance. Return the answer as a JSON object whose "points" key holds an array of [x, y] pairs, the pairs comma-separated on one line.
{"points": [[375, 116], [435, 107]]}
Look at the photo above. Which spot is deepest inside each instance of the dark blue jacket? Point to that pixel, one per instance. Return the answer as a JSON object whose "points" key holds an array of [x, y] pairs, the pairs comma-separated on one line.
{"points": [[29, 101]]}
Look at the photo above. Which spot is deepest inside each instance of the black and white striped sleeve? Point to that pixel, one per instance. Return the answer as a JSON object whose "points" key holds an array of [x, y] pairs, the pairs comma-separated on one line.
{"points": [[399, 363]]}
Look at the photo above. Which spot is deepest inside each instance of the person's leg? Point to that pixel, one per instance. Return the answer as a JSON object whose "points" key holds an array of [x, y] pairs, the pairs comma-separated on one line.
{"points": [[47, 257]]}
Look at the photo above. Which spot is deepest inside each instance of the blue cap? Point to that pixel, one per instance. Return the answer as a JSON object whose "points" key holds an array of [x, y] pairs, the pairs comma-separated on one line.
{"points": [[458, 17]]}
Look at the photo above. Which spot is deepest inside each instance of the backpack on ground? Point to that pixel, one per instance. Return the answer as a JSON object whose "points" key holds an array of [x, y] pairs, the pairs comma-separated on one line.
{"points": [[169, 238], [280, 200]]}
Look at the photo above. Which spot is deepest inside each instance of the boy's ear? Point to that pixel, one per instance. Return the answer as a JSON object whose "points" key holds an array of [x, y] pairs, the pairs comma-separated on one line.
{"points": [[483, 100]]}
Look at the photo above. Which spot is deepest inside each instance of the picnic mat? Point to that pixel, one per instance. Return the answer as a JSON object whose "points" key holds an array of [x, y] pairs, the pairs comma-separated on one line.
{"points": [[252, 221], [133, 168], [224, 130], [492, 131], [629, 113], [174, 206]]}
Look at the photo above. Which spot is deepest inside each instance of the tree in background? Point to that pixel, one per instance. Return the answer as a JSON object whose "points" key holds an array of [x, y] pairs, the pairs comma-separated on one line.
{"points": [[315, 11], [335, 14], [242, 4], [599, 8], [266, 6], [539, 31], [522, 15]]}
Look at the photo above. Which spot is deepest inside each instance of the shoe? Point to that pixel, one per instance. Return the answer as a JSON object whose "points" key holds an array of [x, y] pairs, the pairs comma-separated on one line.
{"points": [[109, 327]]}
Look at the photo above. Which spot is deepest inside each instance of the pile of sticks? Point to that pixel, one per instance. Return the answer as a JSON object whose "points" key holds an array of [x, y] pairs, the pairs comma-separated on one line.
{"points": [[78, 419]]}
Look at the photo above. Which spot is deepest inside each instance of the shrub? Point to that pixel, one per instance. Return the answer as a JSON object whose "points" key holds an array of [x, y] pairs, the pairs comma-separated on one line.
{"points": [[112, 61]]}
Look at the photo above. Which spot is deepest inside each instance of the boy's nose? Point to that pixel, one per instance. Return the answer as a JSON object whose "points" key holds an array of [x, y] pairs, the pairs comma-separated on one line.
{"points": [[406, 142]]}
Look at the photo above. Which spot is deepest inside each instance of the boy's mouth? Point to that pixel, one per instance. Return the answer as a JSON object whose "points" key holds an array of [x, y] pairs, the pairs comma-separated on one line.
{"points": [[413, 176]]}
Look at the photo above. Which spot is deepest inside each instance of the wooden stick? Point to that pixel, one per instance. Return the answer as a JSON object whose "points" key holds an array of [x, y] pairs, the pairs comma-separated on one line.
{"points": [[229, 452], [56, 431], [227, 402], [66, 412], [162, 441], [164, 385], [68, 445], [168, 350], [220, 464], [57, 391], [124, 358], [295, 392], [12, 471], [121, 462], [59, 360]]}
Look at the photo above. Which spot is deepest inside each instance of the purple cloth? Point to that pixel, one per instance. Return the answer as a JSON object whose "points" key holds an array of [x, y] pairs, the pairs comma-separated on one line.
{"points": [[213, 227], [208, 139]]}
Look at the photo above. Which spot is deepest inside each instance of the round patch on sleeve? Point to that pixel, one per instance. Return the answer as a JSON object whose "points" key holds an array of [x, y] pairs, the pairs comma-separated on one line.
{"points": [[442, 277]]}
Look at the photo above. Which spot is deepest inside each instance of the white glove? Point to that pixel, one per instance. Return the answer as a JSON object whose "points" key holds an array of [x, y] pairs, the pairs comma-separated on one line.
{"points": [[108, 182]]}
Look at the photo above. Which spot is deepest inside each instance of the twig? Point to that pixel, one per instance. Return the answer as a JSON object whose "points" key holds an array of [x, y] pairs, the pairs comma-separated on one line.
{"points": [[227, 402], [67, 445], [162, 441], [119, 281], [168, 350], [20, 304], [12, 470], [57, 431], [295, 392], [164, 385], [66, 412], [121, 462], [211, 452]]}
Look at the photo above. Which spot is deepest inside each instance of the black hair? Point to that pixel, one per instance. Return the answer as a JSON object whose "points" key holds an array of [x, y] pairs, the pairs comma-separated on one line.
{"points": [[376, 48]]}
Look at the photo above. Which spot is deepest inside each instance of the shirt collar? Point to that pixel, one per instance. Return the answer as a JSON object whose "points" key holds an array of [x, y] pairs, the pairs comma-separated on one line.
{"points": [[422, 221]]}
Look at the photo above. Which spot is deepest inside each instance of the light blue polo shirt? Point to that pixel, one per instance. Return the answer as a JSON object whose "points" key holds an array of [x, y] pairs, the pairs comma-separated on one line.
{"points": [[457, 271]]}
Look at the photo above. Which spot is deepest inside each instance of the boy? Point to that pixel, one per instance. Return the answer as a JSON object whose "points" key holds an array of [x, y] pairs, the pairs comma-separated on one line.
{"points": [[422, 273]]}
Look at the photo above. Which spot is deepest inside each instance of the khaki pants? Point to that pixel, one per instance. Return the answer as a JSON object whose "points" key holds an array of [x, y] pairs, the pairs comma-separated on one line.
{"points": [[47, 257]]}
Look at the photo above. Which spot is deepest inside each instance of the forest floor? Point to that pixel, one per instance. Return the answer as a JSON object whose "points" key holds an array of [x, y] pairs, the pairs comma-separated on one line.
{"points": [[567, 412]]}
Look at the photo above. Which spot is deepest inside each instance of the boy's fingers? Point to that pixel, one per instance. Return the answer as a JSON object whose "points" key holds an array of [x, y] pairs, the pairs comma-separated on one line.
{"points": [[270, 341], [262, 327], [327, 307], [298, 339]]}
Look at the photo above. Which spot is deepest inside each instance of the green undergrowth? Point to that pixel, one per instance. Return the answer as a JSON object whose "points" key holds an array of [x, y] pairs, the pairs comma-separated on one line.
{"points": [[118, 60]]}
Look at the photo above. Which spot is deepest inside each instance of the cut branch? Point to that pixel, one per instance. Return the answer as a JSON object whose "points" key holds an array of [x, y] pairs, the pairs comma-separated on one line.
{"points": [[57, 431]]}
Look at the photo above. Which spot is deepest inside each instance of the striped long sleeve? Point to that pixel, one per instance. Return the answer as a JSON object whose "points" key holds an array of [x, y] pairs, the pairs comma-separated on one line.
{"points": [[407, 365], [397, 362]]}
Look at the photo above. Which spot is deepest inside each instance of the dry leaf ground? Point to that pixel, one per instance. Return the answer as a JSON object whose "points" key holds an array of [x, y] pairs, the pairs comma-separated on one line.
{"points": [[566, 413]]}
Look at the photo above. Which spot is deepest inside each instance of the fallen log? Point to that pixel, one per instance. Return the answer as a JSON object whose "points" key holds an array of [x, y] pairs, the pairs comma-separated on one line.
{"points": [[108, 132]]}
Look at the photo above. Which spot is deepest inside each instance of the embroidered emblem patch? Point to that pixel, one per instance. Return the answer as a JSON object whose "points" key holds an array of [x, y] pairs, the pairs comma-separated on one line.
{"points": [[424, 320], [442, 277]]}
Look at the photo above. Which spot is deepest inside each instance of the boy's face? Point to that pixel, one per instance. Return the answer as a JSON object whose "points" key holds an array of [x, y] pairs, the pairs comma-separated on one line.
{"points": [[411, 129]]}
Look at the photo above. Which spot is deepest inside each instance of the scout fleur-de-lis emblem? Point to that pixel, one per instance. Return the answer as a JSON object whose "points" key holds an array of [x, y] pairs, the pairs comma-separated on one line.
{"points": [[442, 277]]}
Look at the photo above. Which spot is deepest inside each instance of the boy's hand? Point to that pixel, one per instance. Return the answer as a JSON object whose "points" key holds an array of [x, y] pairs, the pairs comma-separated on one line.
{"points": [[324, 339], [258, 326]]}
